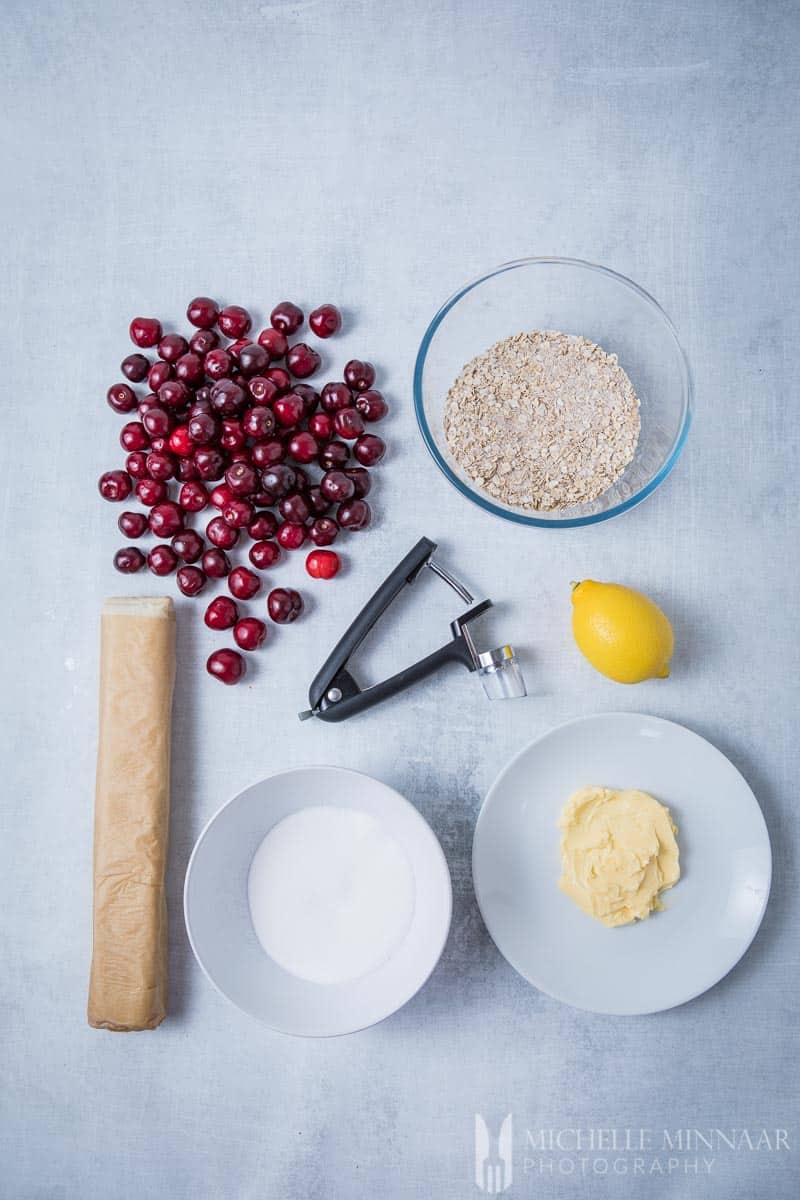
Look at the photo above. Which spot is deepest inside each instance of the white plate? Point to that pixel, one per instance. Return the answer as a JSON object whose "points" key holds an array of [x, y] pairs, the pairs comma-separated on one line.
{"points": [[711, 915], [221, 931]]}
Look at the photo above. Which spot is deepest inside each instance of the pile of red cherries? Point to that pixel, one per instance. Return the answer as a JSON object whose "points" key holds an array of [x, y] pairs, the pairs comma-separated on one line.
{"points": [[228, 425]]}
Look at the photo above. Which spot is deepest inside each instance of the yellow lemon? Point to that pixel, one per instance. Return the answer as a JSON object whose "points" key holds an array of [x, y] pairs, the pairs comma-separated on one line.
{"points": [[622, 632]]}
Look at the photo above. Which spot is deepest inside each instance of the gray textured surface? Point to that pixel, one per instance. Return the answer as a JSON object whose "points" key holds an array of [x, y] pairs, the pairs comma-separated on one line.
{"points": [[378, 155]]}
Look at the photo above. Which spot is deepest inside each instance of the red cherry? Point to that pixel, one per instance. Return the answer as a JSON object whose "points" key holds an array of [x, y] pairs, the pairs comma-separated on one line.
{"points": [[221, 534], [258, 421], [114, 485], [222, 613], [303, 447], [274, 342], [189, 369], [234, 321], [121, 398], [291, 535], [162, 560], [193, 496], [324, 531], [264, 554], [286, 317], [221, 495], [151, 491], [359, 375], [202, 342], [262, 390], [371, 405], [136, 464], [237, 513], [129, 560], [202, 312], [191, 580], [284, 605], [165, 519], [325, 321], [188, 545], [243, 583], [145, 331], [249, 633], [348, 424], [135, 368], [227, 666], [354, 514], [133, 436], [323, 564], [369, 449], [132, 524], [280, 378], [216, 563], [302, 361], [263, 525], [172, 346], [217, 364], [321, 426], [335, 396], [288, 409], [180, 440]]}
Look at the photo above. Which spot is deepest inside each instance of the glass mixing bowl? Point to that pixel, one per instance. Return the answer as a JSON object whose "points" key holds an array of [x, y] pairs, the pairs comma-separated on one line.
{"points": [[576, 297]]}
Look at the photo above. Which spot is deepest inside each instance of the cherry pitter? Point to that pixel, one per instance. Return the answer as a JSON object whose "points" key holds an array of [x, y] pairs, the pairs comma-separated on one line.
{"points": [[335, 695]]}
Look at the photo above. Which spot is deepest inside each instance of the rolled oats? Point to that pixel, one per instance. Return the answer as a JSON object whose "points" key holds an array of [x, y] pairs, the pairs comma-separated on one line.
{"points": [[543, 420]]}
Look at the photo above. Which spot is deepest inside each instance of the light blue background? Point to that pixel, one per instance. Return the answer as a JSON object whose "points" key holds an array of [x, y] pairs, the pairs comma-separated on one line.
{"points": [[378, 155]]}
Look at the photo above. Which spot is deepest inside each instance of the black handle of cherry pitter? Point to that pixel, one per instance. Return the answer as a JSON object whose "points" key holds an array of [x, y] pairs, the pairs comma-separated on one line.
{"points": [[333, 678]]}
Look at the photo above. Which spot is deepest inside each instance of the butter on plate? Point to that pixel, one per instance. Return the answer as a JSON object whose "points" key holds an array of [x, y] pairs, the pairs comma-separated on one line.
{"points": [[618, 853]]}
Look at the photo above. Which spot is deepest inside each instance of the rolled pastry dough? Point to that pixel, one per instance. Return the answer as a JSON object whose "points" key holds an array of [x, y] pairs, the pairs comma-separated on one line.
{"points": [[128, 983]]}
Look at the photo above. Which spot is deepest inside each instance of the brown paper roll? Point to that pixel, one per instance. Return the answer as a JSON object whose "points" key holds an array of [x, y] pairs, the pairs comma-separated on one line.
{"points": [[128, 983]]}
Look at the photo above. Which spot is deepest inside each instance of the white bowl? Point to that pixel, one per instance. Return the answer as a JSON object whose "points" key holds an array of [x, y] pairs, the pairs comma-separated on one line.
{"points": [[712, 913], [220, 927]]}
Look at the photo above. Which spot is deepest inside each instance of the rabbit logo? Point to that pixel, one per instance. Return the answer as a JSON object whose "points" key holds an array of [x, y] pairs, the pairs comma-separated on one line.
{"points": [[493, 1160]]}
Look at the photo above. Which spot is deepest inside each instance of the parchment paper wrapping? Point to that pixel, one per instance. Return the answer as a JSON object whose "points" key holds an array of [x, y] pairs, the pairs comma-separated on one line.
{"points": [[128, 984]]}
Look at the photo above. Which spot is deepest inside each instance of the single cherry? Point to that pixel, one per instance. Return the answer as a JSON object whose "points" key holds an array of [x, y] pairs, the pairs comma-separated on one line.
{"points": [[221, 533], [323, 564], [234, 321], [354, 514], [242, 479], [302, 361], [286, 317], [281, 378], [325, 321], [151, 491], [133, 436], [136, 464], [258, 421], [253, 359], [188, 545], [210, 463], [180, 441], [348, 424], [162, 560], [362, 480], [303, 447], [222, 613], [237, 513], [145, 331], [202, 312], [191, 580], [227, 666], [172, 346], [359, 375], [291, 535], [249, 633], [128, 560], [335, 396], [320, 426], [160, 373], [324, 531], [165, 519], [262, 390], [217, 364], [216, 563], [233, 436], [203, 342], [193, 497], [190, 369], [288, 409], [336, 487], [243, 583], [369, 449], [121, 398], [263, 525], [135, 367], [264, 554], [115, 485], [157, 421], [284, 605], [371, 405], [132, 524], [160, 465], [333, 455], [266, 453], [274, 342], [202, 427]]}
